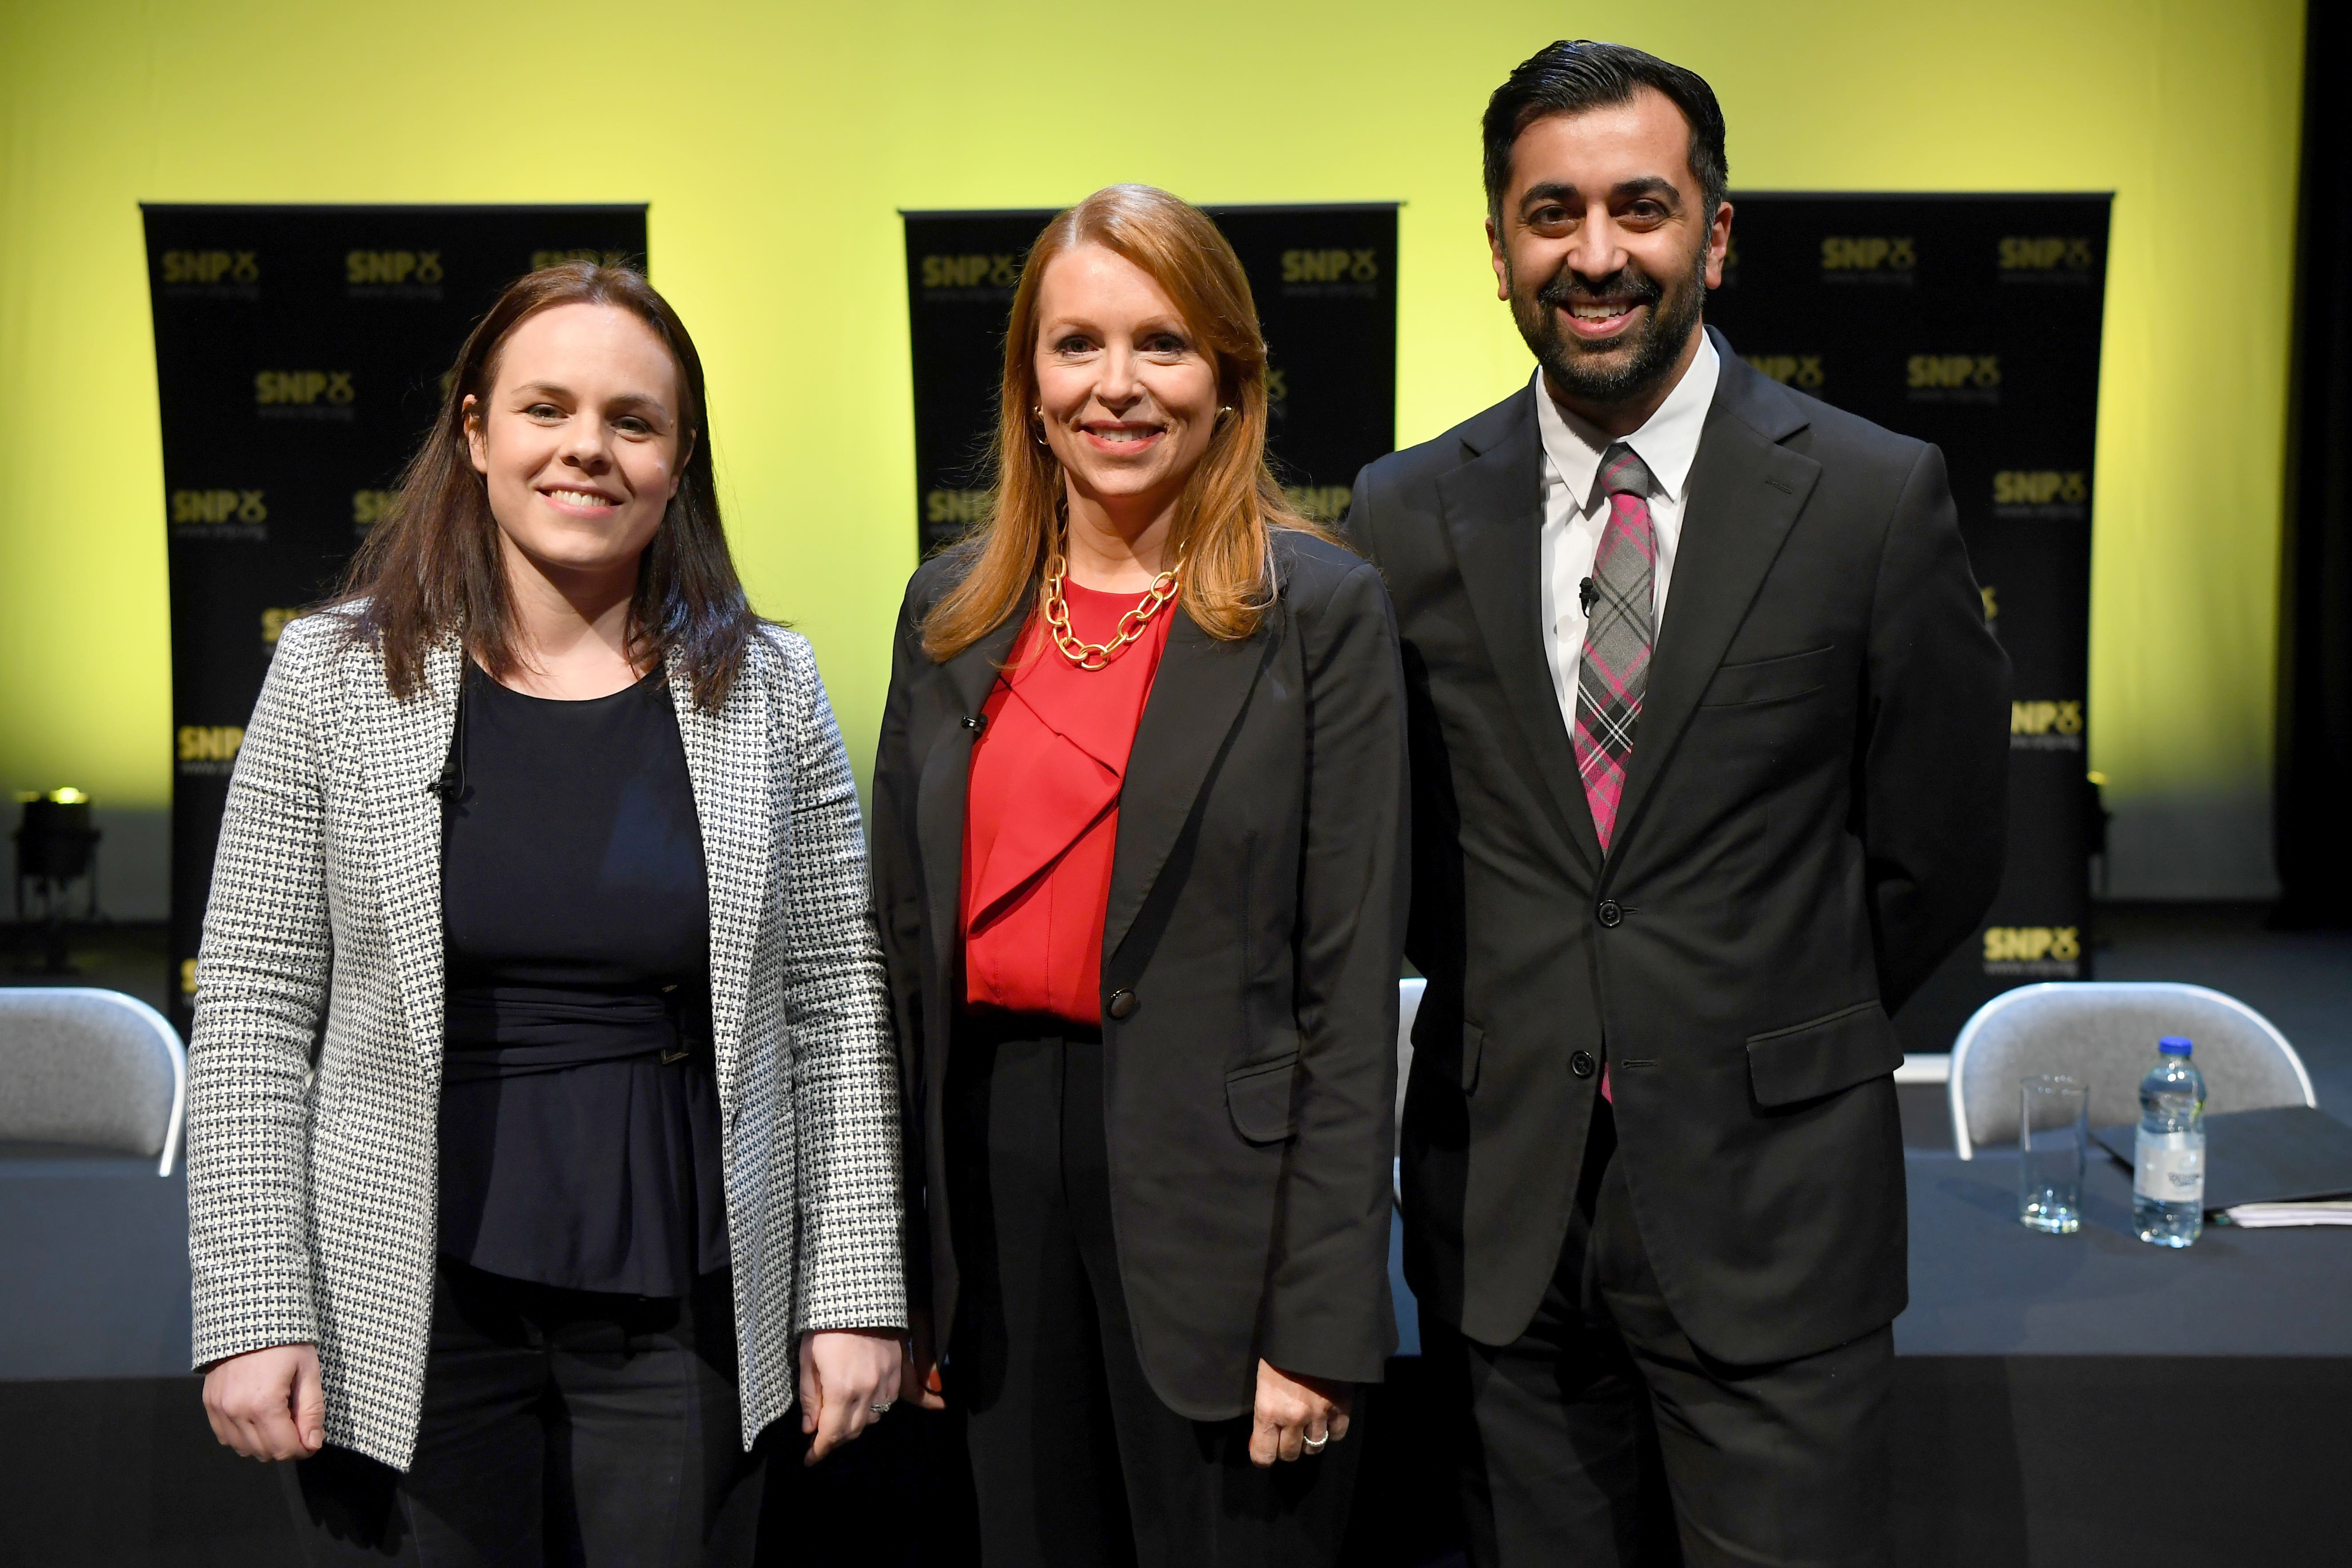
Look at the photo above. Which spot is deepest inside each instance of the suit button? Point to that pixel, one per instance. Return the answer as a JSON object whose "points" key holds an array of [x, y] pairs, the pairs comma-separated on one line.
{"points": [[1582, 1064], [974, 722], [1611, 914], [1122, 1003]]}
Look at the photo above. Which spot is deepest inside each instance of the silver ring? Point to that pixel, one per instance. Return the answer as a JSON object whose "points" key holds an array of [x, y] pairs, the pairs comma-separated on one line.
{"points": [[1316, 1445], [881, 1409]]}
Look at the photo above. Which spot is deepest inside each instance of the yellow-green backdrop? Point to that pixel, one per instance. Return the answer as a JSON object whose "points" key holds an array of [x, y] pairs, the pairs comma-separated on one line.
{"points": [[775, 140]]}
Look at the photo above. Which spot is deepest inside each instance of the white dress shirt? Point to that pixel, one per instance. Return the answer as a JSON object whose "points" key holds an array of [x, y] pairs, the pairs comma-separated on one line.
{"points": [[1575, 509]]}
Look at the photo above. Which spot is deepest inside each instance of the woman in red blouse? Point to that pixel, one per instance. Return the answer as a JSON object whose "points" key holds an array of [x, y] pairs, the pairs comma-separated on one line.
{"points": [[1139, 810]]}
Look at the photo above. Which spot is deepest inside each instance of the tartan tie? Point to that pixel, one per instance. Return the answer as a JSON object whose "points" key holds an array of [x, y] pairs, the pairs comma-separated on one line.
{"points": [[1615, 673]]}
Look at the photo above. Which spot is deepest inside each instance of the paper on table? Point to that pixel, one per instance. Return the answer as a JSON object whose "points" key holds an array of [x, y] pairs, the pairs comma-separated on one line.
{"points": [[2288, 1154], [2263, 1216]]}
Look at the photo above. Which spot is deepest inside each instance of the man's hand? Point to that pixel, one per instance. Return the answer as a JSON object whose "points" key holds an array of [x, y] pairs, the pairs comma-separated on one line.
{"points": [[268, 1404], [1295, 1416], [845, 1373]]}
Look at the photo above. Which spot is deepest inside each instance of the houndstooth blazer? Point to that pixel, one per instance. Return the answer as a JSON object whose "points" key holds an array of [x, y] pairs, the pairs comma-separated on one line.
{"points": [[312, 1194]]}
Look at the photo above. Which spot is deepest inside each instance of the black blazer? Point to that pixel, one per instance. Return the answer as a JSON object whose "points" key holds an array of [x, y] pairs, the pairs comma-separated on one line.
{"points": [[1250, 958], [1813, 815]]}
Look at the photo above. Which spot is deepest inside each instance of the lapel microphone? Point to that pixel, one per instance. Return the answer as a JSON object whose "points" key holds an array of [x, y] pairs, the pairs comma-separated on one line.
{"points": [[1584, 595]]}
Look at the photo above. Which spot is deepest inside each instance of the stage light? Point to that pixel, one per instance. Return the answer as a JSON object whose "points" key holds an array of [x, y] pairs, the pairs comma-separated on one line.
{"points": [[55, 847]]}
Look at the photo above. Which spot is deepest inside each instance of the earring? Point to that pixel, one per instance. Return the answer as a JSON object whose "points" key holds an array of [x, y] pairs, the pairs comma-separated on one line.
{"points": [[1038, 435], [1228, 408]]}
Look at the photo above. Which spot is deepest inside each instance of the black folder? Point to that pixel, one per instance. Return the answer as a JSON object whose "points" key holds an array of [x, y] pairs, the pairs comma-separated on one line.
{"points": [[2289, 1155]]}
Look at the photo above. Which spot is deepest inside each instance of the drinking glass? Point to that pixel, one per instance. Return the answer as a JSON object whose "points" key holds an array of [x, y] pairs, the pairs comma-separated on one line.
{"points": [[2053, 1128]]}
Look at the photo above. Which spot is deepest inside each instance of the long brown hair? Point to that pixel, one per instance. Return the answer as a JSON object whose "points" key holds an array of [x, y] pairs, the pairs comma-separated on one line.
{"points": [[1232, 501], [433, 567]]}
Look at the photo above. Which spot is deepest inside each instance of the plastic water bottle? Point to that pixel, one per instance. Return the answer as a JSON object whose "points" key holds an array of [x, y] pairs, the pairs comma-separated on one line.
{"points": [[2169, 1156]]}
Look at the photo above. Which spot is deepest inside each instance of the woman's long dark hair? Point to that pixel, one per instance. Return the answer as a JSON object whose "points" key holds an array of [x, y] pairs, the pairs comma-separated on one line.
{"points": [[433, 566]]}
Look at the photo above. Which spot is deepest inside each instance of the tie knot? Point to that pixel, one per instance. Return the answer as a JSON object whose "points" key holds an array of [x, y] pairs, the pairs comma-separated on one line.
{"points": [[1622, 472]]}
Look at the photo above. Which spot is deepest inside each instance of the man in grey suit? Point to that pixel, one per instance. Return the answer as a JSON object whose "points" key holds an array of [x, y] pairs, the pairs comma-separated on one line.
{"points": [[1708, 753]]}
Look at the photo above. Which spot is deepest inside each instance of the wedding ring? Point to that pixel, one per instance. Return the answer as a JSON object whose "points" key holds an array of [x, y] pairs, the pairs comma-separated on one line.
{"points": [[1314, 1444], [881, 1409]]}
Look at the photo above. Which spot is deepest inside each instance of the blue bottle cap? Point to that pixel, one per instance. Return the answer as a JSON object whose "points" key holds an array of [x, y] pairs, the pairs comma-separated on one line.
{"points": [[2175, 1045]]}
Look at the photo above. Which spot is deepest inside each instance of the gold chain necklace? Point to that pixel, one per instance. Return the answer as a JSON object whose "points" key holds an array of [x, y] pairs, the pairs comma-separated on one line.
{"points": [[1131, 625]]}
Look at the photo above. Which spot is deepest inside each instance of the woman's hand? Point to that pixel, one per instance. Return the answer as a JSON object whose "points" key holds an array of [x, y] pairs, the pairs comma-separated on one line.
{"points": [[268, 1404], [918, 1374], [845, 1374], [1295, 1416]]}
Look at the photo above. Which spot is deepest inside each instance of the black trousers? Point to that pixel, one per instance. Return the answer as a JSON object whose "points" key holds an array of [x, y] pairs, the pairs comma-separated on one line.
{"points": [[1604, 1435], [1075, 1461], [559, 1428]]}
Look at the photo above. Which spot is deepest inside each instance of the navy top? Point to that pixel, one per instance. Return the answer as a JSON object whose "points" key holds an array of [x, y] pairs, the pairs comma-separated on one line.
{"points": [[580, 1127]]}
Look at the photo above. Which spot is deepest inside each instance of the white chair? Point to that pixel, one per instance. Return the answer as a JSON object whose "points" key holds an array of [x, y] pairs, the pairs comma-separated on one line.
{"points": [[2104, 1033], [94, 1069]]}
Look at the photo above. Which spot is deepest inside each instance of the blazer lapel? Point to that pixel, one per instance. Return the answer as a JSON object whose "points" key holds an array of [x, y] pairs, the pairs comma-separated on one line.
{"points": [[943, 774], [1745, 490], [735, 787], [402, 748], [1494, 514], [1196, 698]]}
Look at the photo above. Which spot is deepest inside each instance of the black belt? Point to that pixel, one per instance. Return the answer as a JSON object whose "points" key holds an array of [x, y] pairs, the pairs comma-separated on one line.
{"points": [[510, 1031]]}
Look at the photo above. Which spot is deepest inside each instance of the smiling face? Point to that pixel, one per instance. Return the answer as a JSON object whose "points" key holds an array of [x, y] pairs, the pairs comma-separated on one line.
{"points": [[1128, 396], [1605, 249], [579, 439]]}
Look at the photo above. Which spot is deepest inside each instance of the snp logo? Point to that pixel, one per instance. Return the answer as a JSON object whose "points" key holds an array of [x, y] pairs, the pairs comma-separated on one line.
{"points": [[2045, 726], [974, 271], [2046, 253], [1992, 597], [394, 266], [1319, 503], [2021, 945], [2039, 487], [1868, 253], [212, 267], [2060, 493], [370, 508], [208, 748], [2045, 717], [959, 508], [273, 621], [194, 507], [1330, 266], [302, 387], [1790, 370], [1952, 371], [1277, 388]]}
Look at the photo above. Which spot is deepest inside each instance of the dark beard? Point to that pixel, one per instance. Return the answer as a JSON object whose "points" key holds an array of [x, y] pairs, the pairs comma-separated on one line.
{"points": [[1577, 373]]}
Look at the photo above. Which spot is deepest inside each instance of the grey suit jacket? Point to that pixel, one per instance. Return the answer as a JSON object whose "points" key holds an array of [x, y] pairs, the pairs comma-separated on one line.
{"points": [[312, 1191]]}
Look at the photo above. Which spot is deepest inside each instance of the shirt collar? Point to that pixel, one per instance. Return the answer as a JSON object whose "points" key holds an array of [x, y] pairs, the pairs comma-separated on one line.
{"points": [[1667, 444]]}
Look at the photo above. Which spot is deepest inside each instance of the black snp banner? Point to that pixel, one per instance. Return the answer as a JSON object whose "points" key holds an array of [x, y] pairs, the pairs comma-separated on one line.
{"points": [[1971, 321], [300, 353], [1323, 279]]}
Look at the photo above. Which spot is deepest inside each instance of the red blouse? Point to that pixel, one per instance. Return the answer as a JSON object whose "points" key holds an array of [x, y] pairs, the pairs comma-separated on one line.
{"points": [[1041, 812]]}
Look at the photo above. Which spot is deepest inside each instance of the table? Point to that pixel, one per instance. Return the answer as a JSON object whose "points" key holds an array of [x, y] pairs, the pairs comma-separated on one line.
{"points": [[2092, 1399], [2045, 1387]]}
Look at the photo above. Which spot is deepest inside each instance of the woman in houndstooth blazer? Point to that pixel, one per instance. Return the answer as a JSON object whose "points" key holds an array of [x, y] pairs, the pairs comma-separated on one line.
{"points": [[462, 1360]]}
